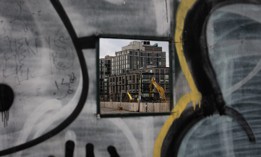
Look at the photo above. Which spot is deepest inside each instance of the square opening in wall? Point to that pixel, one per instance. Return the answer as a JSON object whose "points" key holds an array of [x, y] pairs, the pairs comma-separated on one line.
{"points": [[135, 77]]}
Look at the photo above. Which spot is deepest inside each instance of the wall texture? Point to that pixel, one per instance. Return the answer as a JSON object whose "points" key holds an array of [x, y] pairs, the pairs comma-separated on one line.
{"points": [[53, 78]]}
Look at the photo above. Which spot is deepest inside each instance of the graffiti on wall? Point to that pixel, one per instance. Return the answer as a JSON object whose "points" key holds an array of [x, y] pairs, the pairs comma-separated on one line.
{"points": [[202, 35], [48, 66]]}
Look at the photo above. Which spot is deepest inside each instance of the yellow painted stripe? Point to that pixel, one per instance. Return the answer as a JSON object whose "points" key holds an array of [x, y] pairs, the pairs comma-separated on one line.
{"points": [[185, 5], [194, 96]]}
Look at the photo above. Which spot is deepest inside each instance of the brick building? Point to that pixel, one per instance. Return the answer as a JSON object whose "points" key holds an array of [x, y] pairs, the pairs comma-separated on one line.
{"points": [[131, 70]]}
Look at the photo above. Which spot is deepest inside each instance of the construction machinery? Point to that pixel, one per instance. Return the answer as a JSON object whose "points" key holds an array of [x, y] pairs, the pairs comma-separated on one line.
{"points": [[129, 95], [160, 90]]}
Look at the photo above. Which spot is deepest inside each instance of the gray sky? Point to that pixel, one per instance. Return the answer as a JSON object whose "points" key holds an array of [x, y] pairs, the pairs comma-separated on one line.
{"points": [[110, 46]]}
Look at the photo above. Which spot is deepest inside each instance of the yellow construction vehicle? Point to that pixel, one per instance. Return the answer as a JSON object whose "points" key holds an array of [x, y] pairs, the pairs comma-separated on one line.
{"points": [[159, 89], [129, 95]]}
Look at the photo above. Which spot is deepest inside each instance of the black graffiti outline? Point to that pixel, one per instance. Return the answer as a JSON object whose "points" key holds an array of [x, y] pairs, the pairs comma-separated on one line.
{"points": [[84, 93], [194, 40]]}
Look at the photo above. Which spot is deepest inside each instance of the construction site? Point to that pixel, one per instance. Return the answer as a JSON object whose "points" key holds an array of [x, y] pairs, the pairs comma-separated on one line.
{"points": [[135, 79]]}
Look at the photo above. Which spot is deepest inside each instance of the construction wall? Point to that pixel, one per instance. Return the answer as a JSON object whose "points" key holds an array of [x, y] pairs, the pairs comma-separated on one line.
{"points": [[136, 107]]}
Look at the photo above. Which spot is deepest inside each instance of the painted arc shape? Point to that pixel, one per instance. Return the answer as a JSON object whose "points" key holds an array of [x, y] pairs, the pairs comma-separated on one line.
{"points": [[232, 58], [246, 46], [194, 96], [52, 67]]}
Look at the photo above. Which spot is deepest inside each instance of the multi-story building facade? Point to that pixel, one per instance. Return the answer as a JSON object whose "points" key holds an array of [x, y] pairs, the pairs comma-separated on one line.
{"points": [[105, 65], [132, 70], [138, 55]]}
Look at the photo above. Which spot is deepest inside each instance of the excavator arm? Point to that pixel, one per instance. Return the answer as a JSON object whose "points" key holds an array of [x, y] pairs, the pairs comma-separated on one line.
{"points": [[129, 95], [159, 89]]}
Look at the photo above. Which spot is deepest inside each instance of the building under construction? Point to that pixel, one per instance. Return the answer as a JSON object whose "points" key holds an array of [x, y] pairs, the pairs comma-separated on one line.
{"points": [[136, 73]]}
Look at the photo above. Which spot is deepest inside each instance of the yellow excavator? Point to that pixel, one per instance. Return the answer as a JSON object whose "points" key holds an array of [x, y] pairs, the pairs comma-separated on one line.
{"points": [[159, 89], [129, 95]]}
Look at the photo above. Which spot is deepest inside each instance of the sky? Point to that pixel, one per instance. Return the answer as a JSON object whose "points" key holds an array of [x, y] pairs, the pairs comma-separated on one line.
{"points": [[110, 46]]}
